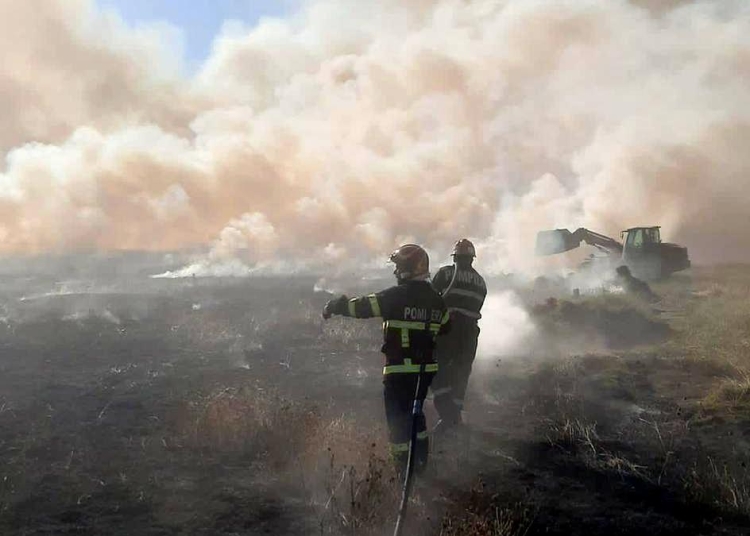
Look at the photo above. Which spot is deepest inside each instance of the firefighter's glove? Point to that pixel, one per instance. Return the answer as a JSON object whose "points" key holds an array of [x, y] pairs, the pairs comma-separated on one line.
{"points": [[335, 306]]}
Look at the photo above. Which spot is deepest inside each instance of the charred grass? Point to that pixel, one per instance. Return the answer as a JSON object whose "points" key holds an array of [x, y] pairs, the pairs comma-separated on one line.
{"points": [[646, 434], [225, 410], [236, 411]]}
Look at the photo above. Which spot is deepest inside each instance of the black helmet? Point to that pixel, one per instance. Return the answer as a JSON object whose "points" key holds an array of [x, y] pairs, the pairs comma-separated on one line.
{"points": [[464, 247], [411, 262]]}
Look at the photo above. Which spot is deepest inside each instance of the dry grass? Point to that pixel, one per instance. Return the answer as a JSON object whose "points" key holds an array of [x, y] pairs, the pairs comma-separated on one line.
{"points": [[714, 328], [598, 324], [731, 396], [247, 419], [487, 515], [362, 500], [574, 434], [580, 438], [725, 487], [349, 483], [711, 315], [715, 320]]}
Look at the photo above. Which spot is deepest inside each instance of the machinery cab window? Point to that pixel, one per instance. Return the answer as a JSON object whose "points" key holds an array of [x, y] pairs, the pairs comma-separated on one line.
{"points": [[635, 239], [652, 236]]}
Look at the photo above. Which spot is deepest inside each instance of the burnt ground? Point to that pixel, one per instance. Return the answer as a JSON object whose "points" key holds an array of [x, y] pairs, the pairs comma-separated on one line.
{"points": [[227, 407]]}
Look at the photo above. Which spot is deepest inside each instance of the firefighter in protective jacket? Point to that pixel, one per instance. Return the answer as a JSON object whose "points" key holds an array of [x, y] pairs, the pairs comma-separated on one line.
{"points": [[413, 316], [464, 292]]}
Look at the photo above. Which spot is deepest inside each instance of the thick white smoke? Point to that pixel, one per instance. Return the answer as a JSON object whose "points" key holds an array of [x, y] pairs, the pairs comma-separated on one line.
{"points": [[353, 126], [506, 327]]}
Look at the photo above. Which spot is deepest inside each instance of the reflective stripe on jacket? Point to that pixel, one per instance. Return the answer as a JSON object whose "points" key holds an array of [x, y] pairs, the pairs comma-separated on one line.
{"points": [[413, 314]]}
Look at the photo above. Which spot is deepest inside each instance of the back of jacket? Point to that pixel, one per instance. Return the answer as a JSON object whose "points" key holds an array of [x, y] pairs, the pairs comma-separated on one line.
{"points": [[467, 292], [413, 315]]}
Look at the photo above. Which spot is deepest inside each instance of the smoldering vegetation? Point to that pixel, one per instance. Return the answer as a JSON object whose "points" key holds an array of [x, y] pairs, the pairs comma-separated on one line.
{"points": [[604, 322], [226, 406], [202, 406], [637, 434]]}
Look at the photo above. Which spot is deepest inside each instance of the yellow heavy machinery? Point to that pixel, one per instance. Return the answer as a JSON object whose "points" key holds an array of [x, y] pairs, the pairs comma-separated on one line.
{"points": [[641, 249]]}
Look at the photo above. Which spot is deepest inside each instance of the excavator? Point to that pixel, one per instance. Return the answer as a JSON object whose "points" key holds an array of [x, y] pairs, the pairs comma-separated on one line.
{"points": [[641, 249]]}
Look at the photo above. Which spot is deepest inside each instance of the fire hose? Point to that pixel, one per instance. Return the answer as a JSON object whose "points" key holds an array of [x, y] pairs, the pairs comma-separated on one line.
{"points": [[416, 413]]}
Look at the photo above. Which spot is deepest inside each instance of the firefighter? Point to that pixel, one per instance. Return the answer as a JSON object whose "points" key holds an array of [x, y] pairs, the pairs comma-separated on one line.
{"points": [[464, 291], [413, 316]]}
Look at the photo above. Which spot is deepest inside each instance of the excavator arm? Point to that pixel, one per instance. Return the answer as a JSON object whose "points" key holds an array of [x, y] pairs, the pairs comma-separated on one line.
{"points": [[561, 240]]}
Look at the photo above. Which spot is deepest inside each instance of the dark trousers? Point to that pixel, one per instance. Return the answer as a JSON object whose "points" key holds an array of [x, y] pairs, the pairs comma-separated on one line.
{"points": [[398, 394], [455, 353]]}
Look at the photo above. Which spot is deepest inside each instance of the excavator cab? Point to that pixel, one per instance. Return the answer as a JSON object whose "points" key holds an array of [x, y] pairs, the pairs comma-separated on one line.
{"points": [[639, 237], [642, 251]]}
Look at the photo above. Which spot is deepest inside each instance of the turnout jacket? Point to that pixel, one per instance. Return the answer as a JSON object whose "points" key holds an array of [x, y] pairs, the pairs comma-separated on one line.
{"points": [[466, 295], [413, 314]]}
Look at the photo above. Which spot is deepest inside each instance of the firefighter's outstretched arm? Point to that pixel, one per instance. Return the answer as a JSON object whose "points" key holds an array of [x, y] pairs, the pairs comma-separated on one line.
{"points": [[362, 307]]}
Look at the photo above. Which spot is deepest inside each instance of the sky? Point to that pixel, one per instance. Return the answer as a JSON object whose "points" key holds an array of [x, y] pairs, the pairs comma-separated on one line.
{"points": [[199, 20]]}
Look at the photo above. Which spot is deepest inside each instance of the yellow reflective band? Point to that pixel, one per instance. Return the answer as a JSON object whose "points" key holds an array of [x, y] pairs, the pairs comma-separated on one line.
{"points": [[399, 447], [408, 368], [374, 305], [352, 309], [403, 324], [404, 338], [421, 436], [446, 317]]}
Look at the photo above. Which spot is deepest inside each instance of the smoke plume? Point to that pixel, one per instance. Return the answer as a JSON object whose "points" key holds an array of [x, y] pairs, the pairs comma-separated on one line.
{"points": [[506, 327], [352, 126]]}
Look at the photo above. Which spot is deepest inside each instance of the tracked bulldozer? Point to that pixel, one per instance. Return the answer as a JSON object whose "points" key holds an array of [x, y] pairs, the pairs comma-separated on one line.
{"points": [[641, 249]]}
